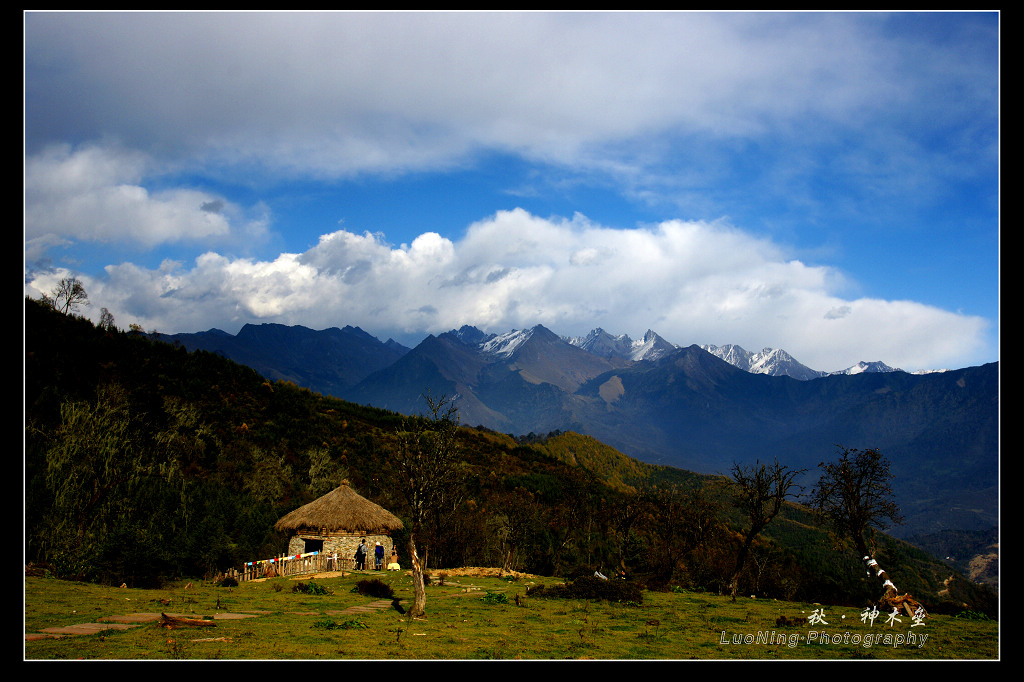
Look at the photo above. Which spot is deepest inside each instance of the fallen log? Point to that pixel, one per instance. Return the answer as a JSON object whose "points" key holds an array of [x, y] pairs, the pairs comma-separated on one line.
{"points": [[912, 607], [175, 622]]}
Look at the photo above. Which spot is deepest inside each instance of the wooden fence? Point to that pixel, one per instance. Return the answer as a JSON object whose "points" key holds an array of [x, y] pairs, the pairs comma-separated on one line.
{"points": [[291, 565]]}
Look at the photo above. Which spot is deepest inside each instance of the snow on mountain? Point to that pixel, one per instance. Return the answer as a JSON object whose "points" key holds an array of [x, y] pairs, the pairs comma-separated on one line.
{"points": [[599, 342], [771, 361], [651, 347], [862, 367], [777, 362], [498, 345], [731, 353], [503, 345]]}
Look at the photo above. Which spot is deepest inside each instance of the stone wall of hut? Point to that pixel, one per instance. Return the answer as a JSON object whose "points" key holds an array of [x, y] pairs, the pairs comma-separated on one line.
{"points": [[344, 544]]}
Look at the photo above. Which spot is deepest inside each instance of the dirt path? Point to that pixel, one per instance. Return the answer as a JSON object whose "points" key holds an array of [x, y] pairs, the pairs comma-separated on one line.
{"points": [[131, 620], [135, 620]]}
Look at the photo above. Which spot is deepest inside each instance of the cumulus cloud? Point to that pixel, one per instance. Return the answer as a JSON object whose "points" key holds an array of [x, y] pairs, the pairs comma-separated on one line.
{"points": [[96, 194], [692, 282]]}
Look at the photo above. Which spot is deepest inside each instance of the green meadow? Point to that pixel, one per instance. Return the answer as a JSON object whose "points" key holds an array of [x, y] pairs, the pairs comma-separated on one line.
{"points": [[470, 618]]}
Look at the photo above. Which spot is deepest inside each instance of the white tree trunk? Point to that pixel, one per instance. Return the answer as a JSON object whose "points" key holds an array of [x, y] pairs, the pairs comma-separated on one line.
{"points": [[880, 573]]}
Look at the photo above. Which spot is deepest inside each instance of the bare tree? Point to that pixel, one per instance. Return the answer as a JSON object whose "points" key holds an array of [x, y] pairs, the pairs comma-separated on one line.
{"points": [[511, 528], [759, 491], [68, 296], [106, 320], [426, 460], [624, 515], [681, 520]]}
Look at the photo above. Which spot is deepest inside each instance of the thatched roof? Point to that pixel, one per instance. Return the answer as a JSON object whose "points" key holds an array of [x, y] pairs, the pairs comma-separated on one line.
{"points": [[342, 509]]}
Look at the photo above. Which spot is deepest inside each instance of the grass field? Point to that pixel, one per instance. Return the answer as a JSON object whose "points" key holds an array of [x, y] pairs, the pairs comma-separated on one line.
{"points": [[472, 618]]}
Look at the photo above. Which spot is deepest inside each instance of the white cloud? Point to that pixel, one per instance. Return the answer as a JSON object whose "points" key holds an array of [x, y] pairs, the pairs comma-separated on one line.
{"points": [[719, 113], [691, 282], [95, 194]]}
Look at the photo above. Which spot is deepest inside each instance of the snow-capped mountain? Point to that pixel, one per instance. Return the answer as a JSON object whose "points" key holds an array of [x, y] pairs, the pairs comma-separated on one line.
{"points": [[599, 342], [777, 362], [771, 361], [503, 345], [862, 367], [651, 347]]}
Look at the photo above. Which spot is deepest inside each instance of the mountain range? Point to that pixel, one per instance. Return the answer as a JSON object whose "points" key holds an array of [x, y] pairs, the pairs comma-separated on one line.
{"points": [[328, 361], [696, 408], [777, 362]]}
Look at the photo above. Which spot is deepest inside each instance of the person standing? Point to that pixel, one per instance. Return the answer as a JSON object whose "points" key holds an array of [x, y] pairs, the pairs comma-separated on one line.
{"points": [[361, 555], [378, 556]]}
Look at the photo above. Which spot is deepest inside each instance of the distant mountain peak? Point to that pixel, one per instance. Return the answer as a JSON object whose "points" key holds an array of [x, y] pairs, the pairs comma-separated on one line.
{"points": [[503, 345], [329, 361], [470, 335], [868, 367], [651, 347], [601, 343], [777, 362], [770, 361]]}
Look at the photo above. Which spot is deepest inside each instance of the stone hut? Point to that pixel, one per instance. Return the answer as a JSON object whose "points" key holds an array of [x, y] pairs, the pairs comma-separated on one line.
{"points": [[336, 522]]}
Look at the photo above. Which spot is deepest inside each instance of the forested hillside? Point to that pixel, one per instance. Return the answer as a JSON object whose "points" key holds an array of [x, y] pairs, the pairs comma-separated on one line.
{"points": [[144, 462]]}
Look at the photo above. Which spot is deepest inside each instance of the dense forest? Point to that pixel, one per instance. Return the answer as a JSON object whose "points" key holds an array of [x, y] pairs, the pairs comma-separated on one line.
{"points": [[144, 462]]}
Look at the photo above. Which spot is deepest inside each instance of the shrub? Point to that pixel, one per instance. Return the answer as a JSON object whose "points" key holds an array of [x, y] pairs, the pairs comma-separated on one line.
{"points": [[310, 588], [972, 615], [495, 598], [375, 588], [589, 587]]}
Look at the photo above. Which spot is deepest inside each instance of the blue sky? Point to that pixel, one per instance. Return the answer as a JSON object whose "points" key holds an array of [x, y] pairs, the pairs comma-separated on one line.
{"points": [[826, 183]]}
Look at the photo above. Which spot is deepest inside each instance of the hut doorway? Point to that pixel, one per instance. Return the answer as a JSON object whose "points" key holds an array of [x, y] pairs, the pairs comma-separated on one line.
{"points": [[312, 545]]}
